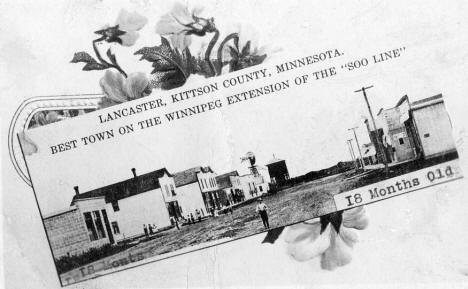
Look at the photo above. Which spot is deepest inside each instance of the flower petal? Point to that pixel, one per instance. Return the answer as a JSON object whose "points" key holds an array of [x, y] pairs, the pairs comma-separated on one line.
{"points": [[136, 84], [168, 25], [112, 85], [27, 145], [349, 236], [355, 218], [130, 21], [174, 22], [338, 254], [197, 10], [39, 118], [180, 41], [181, 13], [129, 38], [52, 116], [311, 247], [301, 231]]}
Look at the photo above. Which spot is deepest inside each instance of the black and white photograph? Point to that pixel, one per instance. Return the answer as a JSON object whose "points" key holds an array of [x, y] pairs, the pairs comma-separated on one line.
{"points": [[189, 136], [151, 214]]}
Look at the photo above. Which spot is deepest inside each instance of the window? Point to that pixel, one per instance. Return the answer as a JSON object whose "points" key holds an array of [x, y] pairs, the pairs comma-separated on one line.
{"points": [[167, 190], [99, 226], [201, 183], [115, 206], [261, 189], [90, 226], [206, 184], [427, 135], [94, 225], [401, 141], [115, 228], [172, 190]]}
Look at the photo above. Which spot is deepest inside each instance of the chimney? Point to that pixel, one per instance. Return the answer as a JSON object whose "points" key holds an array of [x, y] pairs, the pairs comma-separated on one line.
{"points": [[77, 191], [134, 173]]}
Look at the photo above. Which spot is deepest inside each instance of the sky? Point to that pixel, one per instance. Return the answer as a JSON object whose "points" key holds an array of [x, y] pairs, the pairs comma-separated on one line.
{"points": [[307, 127]]}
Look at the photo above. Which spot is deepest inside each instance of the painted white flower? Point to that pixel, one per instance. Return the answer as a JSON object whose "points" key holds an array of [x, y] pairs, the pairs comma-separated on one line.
{"points": [[118, 89], [179, 24], [130, 23], [331, 239], [125, 29]]}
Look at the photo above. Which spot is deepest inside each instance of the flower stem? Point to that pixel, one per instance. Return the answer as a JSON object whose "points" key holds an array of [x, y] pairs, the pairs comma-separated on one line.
{"points": [[208, 52], [234, 36], [104, 62]]}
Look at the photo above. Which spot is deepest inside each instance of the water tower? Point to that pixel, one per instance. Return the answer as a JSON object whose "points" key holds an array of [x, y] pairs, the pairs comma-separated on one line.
{"points": [[250, 156]]}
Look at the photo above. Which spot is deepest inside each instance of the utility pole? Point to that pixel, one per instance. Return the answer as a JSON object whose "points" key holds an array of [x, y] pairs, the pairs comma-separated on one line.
{"points": [[379, 144], [351, 151], [357, 144]]}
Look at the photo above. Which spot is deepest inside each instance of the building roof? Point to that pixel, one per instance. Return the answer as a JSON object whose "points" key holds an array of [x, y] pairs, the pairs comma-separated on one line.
{"points": [[189, 176], [127, 188], [427, 101], [59, 212], [274, 160], [224, 180], [402, 100]]}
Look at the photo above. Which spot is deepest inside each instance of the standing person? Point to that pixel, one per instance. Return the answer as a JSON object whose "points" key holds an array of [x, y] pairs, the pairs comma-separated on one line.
{"points": [[150, 229], [145, 230], [192, 218], [262, 210], [198, 214]]}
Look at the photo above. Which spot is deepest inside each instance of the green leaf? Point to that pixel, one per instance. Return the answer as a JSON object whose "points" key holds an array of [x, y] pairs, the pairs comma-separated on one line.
{"points": [[203, 68], [91, 63], [233, 52], [111, 56], [94, 66], [83, 57], [170, 67], [246, 49]]}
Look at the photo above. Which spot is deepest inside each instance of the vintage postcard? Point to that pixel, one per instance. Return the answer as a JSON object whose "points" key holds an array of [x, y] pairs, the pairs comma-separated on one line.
{"points": [[205, 133]]}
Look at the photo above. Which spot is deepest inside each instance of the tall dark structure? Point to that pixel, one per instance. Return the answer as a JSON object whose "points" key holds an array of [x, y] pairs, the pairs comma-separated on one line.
{"points": [[278, 171]]}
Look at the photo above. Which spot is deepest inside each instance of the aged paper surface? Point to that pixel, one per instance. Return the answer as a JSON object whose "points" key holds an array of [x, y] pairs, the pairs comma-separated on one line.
{"points": [[137, 131]]}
